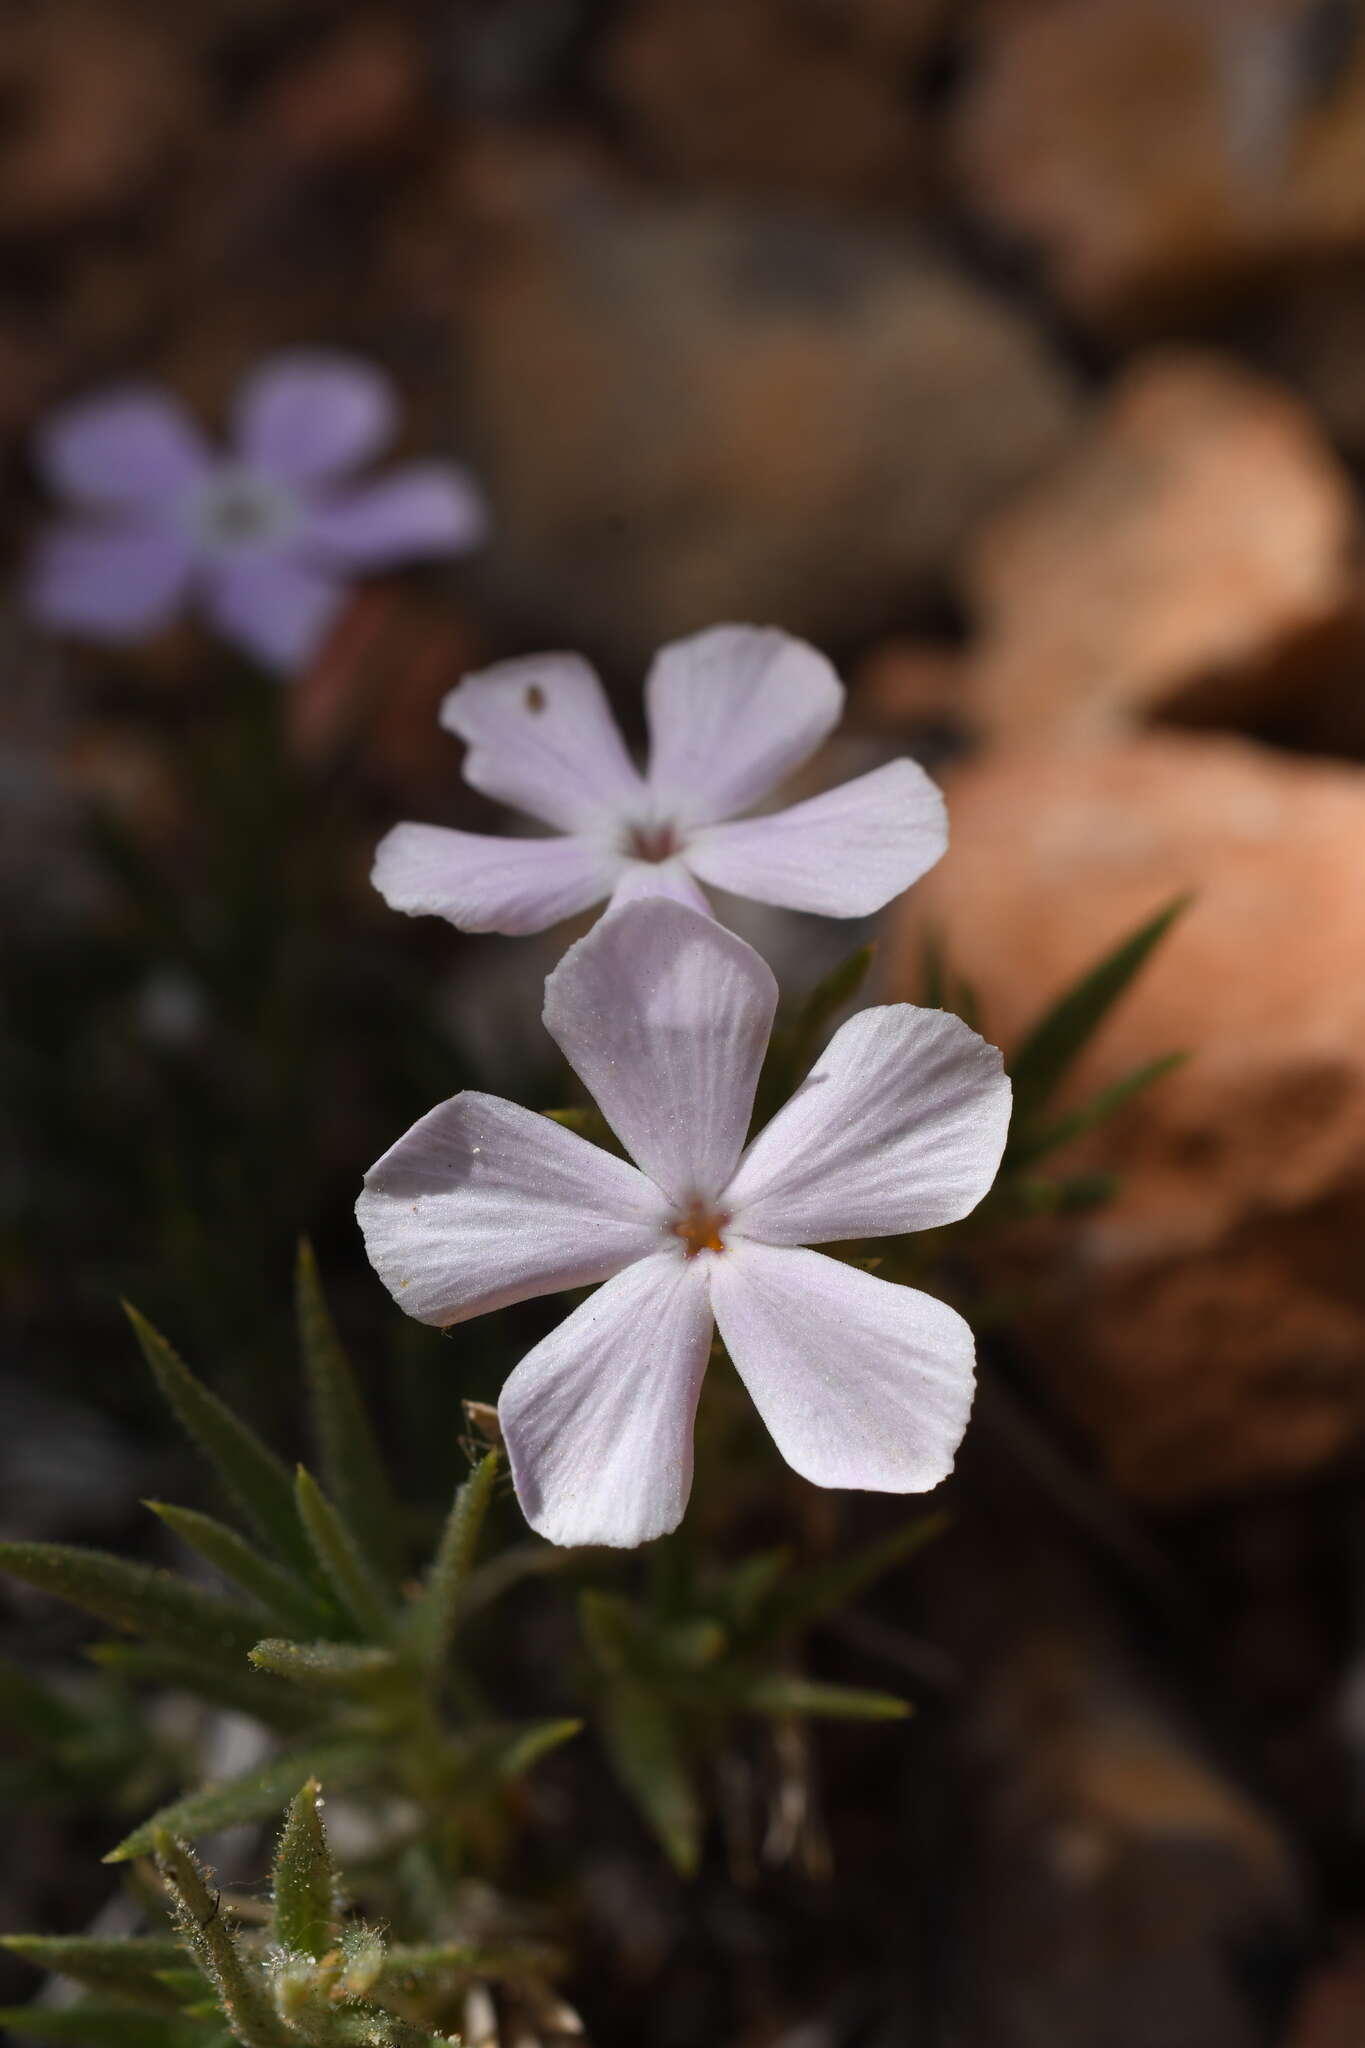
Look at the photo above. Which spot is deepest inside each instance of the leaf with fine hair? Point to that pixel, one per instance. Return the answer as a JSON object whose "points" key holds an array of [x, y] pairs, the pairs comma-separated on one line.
{"points": [[305, 1885], [1064, 1031], [242, 1688], [240, 1987], [253, 1476], [132, 1966], [325, 1666], [433, 1620], [341, 1559], [254, 1796], [282, 1596], [137, 1597], [352, 1470]]}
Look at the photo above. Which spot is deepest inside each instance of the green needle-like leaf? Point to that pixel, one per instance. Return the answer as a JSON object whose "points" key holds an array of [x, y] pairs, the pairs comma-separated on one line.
{"points": [[133, 1966], [243, 1688], [815, 1592], [305, 1918], [352, 1469], [136, 1597], [1036, 1144], [341, 1558], [642, 1740], [240, 1987], [255, 1796], [776, 1693], [325, 1666], [435, 1617], [279, 1592], [1062, 1034], [251, 1473], [506, 1753]]}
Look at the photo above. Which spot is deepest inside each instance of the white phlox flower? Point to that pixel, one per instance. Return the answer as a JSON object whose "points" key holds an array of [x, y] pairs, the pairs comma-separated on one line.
{"points": [[665, 1016], [730, 713]]}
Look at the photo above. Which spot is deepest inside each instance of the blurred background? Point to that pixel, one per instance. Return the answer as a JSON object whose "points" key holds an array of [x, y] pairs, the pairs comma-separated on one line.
{"points": [[1014, 352]]}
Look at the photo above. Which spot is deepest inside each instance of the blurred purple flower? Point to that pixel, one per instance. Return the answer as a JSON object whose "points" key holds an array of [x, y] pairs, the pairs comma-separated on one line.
{"points": [[730, 713], [665, 1017], [268, 536]]}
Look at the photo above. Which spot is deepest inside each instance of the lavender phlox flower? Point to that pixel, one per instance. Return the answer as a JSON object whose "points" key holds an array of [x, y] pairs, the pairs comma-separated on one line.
{"points": [[267, 535], [665, 1016], [730, 713]]}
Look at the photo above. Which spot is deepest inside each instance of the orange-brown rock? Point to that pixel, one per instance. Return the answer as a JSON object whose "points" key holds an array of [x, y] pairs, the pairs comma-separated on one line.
{"points": [[690, 412], [1193, 556], [1156, 151], [1207, 1328]]}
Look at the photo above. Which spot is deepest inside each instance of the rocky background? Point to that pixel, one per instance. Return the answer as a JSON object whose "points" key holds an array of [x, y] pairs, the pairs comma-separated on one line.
{"points": [[1014, 350]]}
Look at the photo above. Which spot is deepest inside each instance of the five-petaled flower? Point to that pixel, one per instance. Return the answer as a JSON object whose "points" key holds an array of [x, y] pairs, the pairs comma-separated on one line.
{"points": [[730, 713], [665, 1017], [268, 535]]}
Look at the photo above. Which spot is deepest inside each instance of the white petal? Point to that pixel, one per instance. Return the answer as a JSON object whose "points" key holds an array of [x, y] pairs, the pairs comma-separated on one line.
{"points": [[658, 878], [899, 1126], [483, 884], [861, 1383], [483, 1203], [731, 711], [126, 447], [598, 1418], [541, 736], [842, 854], [311, 413], [665, 1016]]}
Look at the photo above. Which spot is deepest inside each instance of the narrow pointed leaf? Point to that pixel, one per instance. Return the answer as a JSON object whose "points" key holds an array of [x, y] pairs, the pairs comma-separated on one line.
{"points": [[611, 1629], [1062, 1034], [644, 1745], [434, 1620], [516, 1749], [243, 1688], [253, 1476], [136, 1597], [133, 1965], [410, 1965], [305, 1918], [102, 2025], [324, 1666], [254, 1796], [1039, 1142], [831, 993], [339, 1556], [280, 1594], [352, 1470], [239, 1984], [777, 1693]]}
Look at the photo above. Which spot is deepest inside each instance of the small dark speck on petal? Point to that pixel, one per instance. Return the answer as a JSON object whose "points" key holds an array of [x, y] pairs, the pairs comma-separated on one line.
{"points": [[535, 697]]}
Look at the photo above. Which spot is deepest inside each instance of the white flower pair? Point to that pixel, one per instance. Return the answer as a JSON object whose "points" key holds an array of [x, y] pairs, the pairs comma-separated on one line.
{"points": [[665, 1017]]}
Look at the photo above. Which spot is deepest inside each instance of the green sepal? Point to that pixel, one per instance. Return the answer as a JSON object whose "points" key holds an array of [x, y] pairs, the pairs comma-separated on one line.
{"points": [[279, 1593], [305, 1885], [254, 1796], [253, 1476], [353, 1471], [341, 1559], [137, 1597]]}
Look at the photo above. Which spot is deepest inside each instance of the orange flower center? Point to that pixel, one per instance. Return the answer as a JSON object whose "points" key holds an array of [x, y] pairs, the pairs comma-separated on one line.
{"points": [[700, 1228]]}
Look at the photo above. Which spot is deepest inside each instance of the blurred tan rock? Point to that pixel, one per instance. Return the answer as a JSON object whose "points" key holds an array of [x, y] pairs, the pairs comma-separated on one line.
{"points": [[1157, 151], [688, 412], [1207, 1328], [763, 95], [1190, 557]]}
